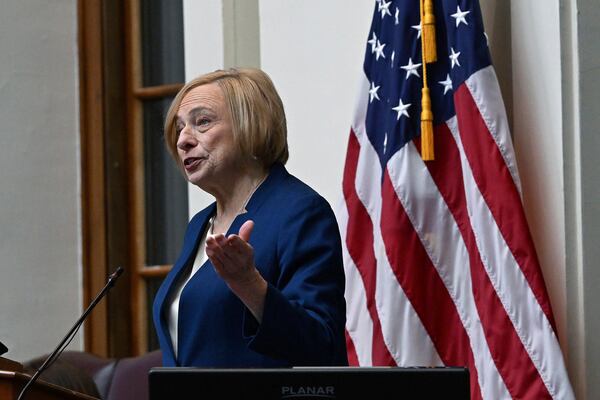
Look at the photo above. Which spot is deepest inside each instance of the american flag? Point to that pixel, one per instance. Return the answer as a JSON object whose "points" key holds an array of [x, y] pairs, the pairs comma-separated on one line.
{"points": [[440, 265]]}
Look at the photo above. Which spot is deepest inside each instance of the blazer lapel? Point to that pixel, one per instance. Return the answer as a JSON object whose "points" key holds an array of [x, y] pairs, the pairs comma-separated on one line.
{"points": [[262, 193], [190, 247]]}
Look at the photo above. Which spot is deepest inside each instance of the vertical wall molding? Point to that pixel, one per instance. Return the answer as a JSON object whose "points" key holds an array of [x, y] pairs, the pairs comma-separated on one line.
{"points": [[572, 179], [585, 61], [241, 33]]}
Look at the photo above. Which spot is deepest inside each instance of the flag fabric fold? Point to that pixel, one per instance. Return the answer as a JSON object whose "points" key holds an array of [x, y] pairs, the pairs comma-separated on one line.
{"points": [[440, 265]]}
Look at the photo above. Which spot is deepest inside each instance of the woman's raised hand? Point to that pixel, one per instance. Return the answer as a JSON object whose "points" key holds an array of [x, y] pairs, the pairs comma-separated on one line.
{"points": [[233, 259]]}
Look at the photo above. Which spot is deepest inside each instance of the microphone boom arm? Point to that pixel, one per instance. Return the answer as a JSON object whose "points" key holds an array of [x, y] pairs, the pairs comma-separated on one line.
{"points": [[59, 349]]}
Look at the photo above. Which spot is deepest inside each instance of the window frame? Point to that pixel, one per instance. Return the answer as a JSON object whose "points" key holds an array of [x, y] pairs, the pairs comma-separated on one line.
{"points": [[112, 177]]}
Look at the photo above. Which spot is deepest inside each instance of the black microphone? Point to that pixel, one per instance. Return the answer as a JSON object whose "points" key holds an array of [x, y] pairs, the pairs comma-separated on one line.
{"points": [[69, 337]]}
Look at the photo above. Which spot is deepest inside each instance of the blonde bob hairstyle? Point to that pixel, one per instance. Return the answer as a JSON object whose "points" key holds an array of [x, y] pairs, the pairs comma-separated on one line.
{"points": [[257, 114]]}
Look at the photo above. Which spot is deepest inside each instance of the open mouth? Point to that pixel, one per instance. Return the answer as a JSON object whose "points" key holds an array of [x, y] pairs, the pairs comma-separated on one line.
{"points": [[191, 163]]}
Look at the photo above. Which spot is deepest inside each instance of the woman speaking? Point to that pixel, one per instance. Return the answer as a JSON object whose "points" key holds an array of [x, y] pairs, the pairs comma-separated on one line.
{"points": [[260, 281]]}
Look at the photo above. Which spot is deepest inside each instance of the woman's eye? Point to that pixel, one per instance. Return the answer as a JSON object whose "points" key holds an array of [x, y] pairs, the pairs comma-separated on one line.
{"points": [[202, 121]]}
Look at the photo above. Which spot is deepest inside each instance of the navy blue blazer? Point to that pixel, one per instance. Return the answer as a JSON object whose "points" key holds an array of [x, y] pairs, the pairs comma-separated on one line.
{"points": [[297, 250]]}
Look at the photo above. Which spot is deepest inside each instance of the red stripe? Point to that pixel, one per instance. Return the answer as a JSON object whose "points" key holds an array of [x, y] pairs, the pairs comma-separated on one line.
{"points": [[359, 240], [352, 357], [500, 193], [424, 287], [512, 360]]}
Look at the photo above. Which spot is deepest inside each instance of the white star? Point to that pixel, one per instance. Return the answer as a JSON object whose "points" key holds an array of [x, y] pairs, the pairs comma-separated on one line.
{"points": [[454, 58], [373, 92], [384, 143], [411, 69], [384, 8], [379, 50], [396, 21], [401, 109], [418, 28], [392, 57], [373, 42], [459, 16], [446, 83]]}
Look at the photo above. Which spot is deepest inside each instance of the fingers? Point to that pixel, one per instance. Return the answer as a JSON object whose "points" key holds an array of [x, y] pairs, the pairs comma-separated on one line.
{"points": [[238, 245], [246, 230], [232, 257], [231, 245], [220, 239], [214, 251]]}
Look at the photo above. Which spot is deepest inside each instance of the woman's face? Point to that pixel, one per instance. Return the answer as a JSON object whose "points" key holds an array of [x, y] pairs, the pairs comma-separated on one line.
{"points": [[205, 139]]}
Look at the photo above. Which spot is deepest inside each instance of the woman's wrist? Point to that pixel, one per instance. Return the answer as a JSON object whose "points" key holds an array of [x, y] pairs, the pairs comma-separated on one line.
{"points": [[252, 291]]}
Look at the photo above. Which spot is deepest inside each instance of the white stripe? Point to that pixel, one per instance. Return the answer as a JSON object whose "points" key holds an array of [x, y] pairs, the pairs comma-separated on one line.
{"points": [[529, 320], [358, 320], [441, 238], [403, 333], [485, 90]]}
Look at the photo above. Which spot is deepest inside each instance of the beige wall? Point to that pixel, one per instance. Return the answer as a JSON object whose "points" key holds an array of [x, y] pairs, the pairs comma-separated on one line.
{"points": [[40, 263]]}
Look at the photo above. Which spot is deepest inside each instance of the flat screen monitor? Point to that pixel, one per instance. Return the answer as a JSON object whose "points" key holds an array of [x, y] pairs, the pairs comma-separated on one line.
{"points": [[343, 383]]}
